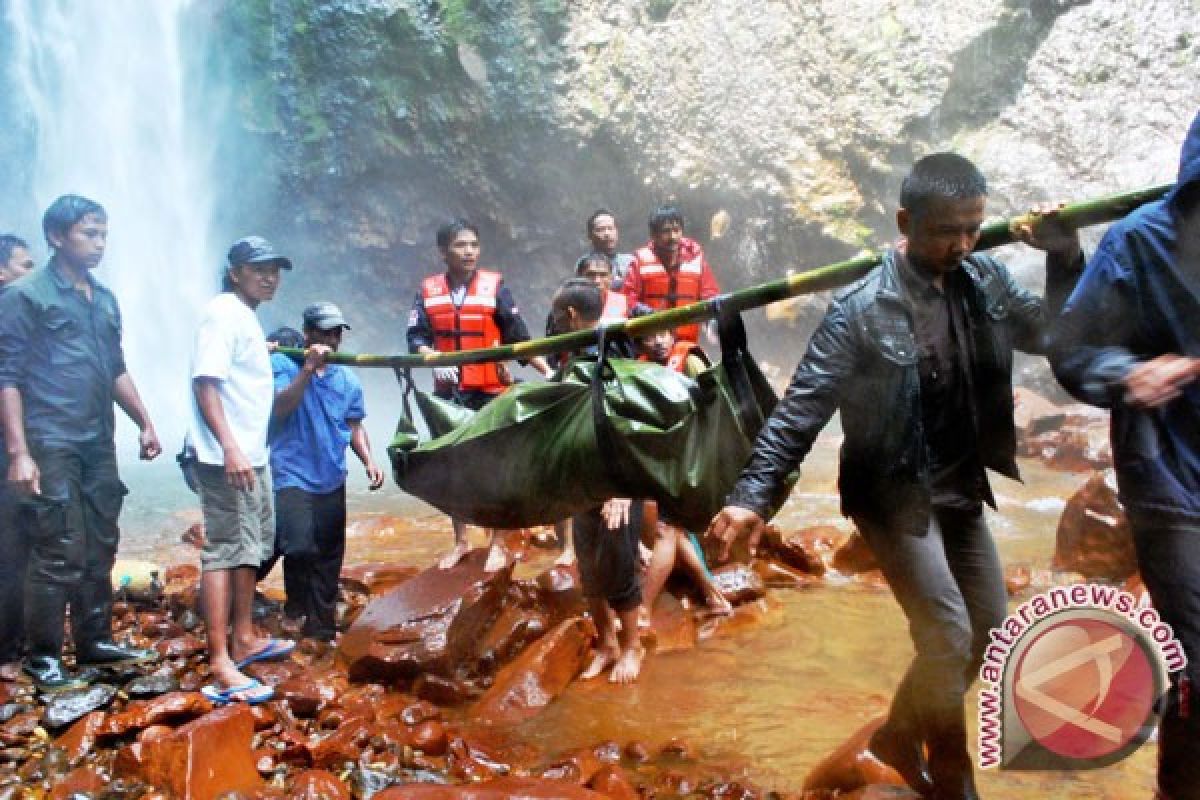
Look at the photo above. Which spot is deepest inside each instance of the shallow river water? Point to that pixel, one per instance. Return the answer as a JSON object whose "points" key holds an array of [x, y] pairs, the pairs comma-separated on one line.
{"points": [[767, 701]]}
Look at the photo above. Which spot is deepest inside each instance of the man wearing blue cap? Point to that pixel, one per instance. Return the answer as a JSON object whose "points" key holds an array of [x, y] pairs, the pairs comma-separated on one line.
{"points": [[232, 393], [318, 412]]}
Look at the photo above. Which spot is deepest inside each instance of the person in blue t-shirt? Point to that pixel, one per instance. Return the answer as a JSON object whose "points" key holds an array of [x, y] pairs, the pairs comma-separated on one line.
{"points": [[318, 411]]}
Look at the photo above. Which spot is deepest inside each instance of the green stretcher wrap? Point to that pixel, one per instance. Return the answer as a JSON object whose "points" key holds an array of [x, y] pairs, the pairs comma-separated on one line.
{"points": [[609, 427]]}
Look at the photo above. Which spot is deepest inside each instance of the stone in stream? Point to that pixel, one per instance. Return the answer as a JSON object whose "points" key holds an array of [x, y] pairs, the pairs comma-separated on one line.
{"points": [[151, 685], [538, 675], [854, 556], [206, 758], [65, 707], [1094, 537], [430, 623], [318, 784], [739, 583], [801, 550], [852, 766]]}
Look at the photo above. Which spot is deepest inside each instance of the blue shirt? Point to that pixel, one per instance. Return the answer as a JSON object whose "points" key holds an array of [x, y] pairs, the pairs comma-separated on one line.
{"points": [[308, 448]]}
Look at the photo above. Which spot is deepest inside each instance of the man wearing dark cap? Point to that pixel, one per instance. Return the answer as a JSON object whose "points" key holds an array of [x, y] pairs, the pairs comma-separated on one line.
{"points": [[318, 412], [61, 369], [232, 393]]}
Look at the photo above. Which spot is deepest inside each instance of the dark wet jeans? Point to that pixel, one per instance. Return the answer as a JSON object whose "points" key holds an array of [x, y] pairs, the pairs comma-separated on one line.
{"points": [[74, 542], [608, 559], [1169, 561], [310, 534], [947, 577], [14, 556]]}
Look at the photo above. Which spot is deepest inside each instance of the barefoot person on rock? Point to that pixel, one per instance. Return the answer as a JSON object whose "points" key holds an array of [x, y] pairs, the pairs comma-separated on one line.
{"points": [[606, 538], [232, 395], [465, 308], [62, 367], [917, 358]]}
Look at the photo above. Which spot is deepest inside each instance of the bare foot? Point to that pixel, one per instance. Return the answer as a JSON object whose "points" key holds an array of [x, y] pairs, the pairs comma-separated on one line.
{"points": [[628, 666], [497, 559], [454, 556], [601, 659], [718, 605], [565, 559], [227, 675]]}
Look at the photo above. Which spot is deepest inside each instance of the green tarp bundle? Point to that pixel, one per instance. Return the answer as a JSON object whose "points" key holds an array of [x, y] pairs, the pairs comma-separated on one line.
{"points": [[611, 427]]}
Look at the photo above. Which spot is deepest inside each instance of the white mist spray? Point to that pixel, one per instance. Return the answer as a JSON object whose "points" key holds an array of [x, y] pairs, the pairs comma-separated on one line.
{"points": [[105, 86]]}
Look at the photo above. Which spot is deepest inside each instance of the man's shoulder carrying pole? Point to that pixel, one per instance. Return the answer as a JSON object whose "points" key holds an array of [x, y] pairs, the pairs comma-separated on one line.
{"points": [[994, 234]]}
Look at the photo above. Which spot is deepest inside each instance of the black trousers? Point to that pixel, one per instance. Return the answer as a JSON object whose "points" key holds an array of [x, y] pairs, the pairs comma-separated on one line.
{"points": [[608, 559], [14, 559], [310, 534], [74, 537], [1169, 560], [947, 577]]}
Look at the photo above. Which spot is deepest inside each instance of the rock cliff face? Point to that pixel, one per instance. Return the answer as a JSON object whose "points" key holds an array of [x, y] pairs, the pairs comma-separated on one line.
{"points": [[375, 120]]}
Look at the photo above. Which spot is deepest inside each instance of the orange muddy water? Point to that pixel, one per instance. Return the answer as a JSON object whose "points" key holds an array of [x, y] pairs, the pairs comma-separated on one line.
{"points": [[766, 700]]}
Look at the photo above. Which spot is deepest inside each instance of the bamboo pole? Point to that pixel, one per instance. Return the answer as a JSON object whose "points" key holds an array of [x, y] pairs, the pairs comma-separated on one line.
{"points": [[994, 234]]}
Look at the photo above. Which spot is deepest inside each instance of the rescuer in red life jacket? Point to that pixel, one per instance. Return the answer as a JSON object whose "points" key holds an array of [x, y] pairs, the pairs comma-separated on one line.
{"points": [[465, 308], [670, 270]]}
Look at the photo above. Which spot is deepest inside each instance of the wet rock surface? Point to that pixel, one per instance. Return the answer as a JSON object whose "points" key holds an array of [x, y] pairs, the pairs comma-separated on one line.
{"points": [[66, 707], [430, 623], [1094, 537]]}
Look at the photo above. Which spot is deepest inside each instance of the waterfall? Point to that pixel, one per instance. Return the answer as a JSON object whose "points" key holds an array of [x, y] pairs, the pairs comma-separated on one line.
{"points": [[105, 85]]}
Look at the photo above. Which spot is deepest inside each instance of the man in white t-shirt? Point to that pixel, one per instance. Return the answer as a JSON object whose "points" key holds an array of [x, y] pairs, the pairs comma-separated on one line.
{"points": [[232, 392]]}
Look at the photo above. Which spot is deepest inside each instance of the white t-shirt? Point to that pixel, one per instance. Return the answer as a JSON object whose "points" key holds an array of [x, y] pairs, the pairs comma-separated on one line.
{"points": [[231, 347]]}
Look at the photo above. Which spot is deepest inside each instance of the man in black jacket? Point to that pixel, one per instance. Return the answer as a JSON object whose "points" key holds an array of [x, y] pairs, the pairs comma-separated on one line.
{"points": [[917, 357]]}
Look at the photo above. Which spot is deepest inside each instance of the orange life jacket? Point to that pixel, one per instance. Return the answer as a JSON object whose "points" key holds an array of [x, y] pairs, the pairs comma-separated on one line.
{"points": [[466, 327], [664, 289]]}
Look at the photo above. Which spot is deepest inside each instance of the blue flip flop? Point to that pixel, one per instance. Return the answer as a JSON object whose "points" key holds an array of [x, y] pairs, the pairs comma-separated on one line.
{"points": [[252, 693], [274, 648]]}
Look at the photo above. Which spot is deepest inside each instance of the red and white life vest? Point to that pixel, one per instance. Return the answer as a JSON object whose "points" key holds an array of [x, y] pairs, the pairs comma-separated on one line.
{"points": [[677, 360], [662, 288], [468, 326]]}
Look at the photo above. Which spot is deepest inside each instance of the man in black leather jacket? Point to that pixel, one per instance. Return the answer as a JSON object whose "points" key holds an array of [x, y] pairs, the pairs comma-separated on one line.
{"points": [[917, 357]]}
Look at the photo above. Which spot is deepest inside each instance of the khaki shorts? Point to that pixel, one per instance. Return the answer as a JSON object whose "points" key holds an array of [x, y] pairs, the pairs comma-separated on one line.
{"points": [[239, 524]]}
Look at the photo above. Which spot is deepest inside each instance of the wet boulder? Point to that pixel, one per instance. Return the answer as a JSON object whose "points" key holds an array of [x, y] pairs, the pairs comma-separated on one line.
{"points": [[560, 593], [1094, 537], [206, 758], [854, 556], [510, 633], [80, 739], [151, 685], [83, 781], [317, 784], [852, 766], [172, 707], [66, 707], [1072, 437], [538, 675], [612, 782], [802, 550], [429, 623], [739, 583], [376, 579], [777, 575]]}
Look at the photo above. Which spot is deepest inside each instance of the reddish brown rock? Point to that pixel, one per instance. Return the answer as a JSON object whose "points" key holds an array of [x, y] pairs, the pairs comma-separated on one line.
{"points": [[429, 737], [1094, 537], [427, 624], [82, 781], [170, 707], [182, 573], [560, 593], [443, 691], [881, 792], [342, 745], [81, 738], [19, 727], [852, 766], [500, 789], [301, 695], [375, 579], [180, 647], [1017, 578], [510, 633], [578, 766], [317, 784], [416, 713], [780, 576], [739, 583], [802, 550], [538, 675], [854, 556], [203, 760], [612, 782]]}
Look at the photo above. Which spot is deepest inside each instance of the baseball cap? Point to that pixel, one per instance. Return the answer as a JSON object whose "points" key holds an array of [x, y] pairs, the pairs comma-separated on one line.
{"points": [[324, 317], [255, 250]]}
